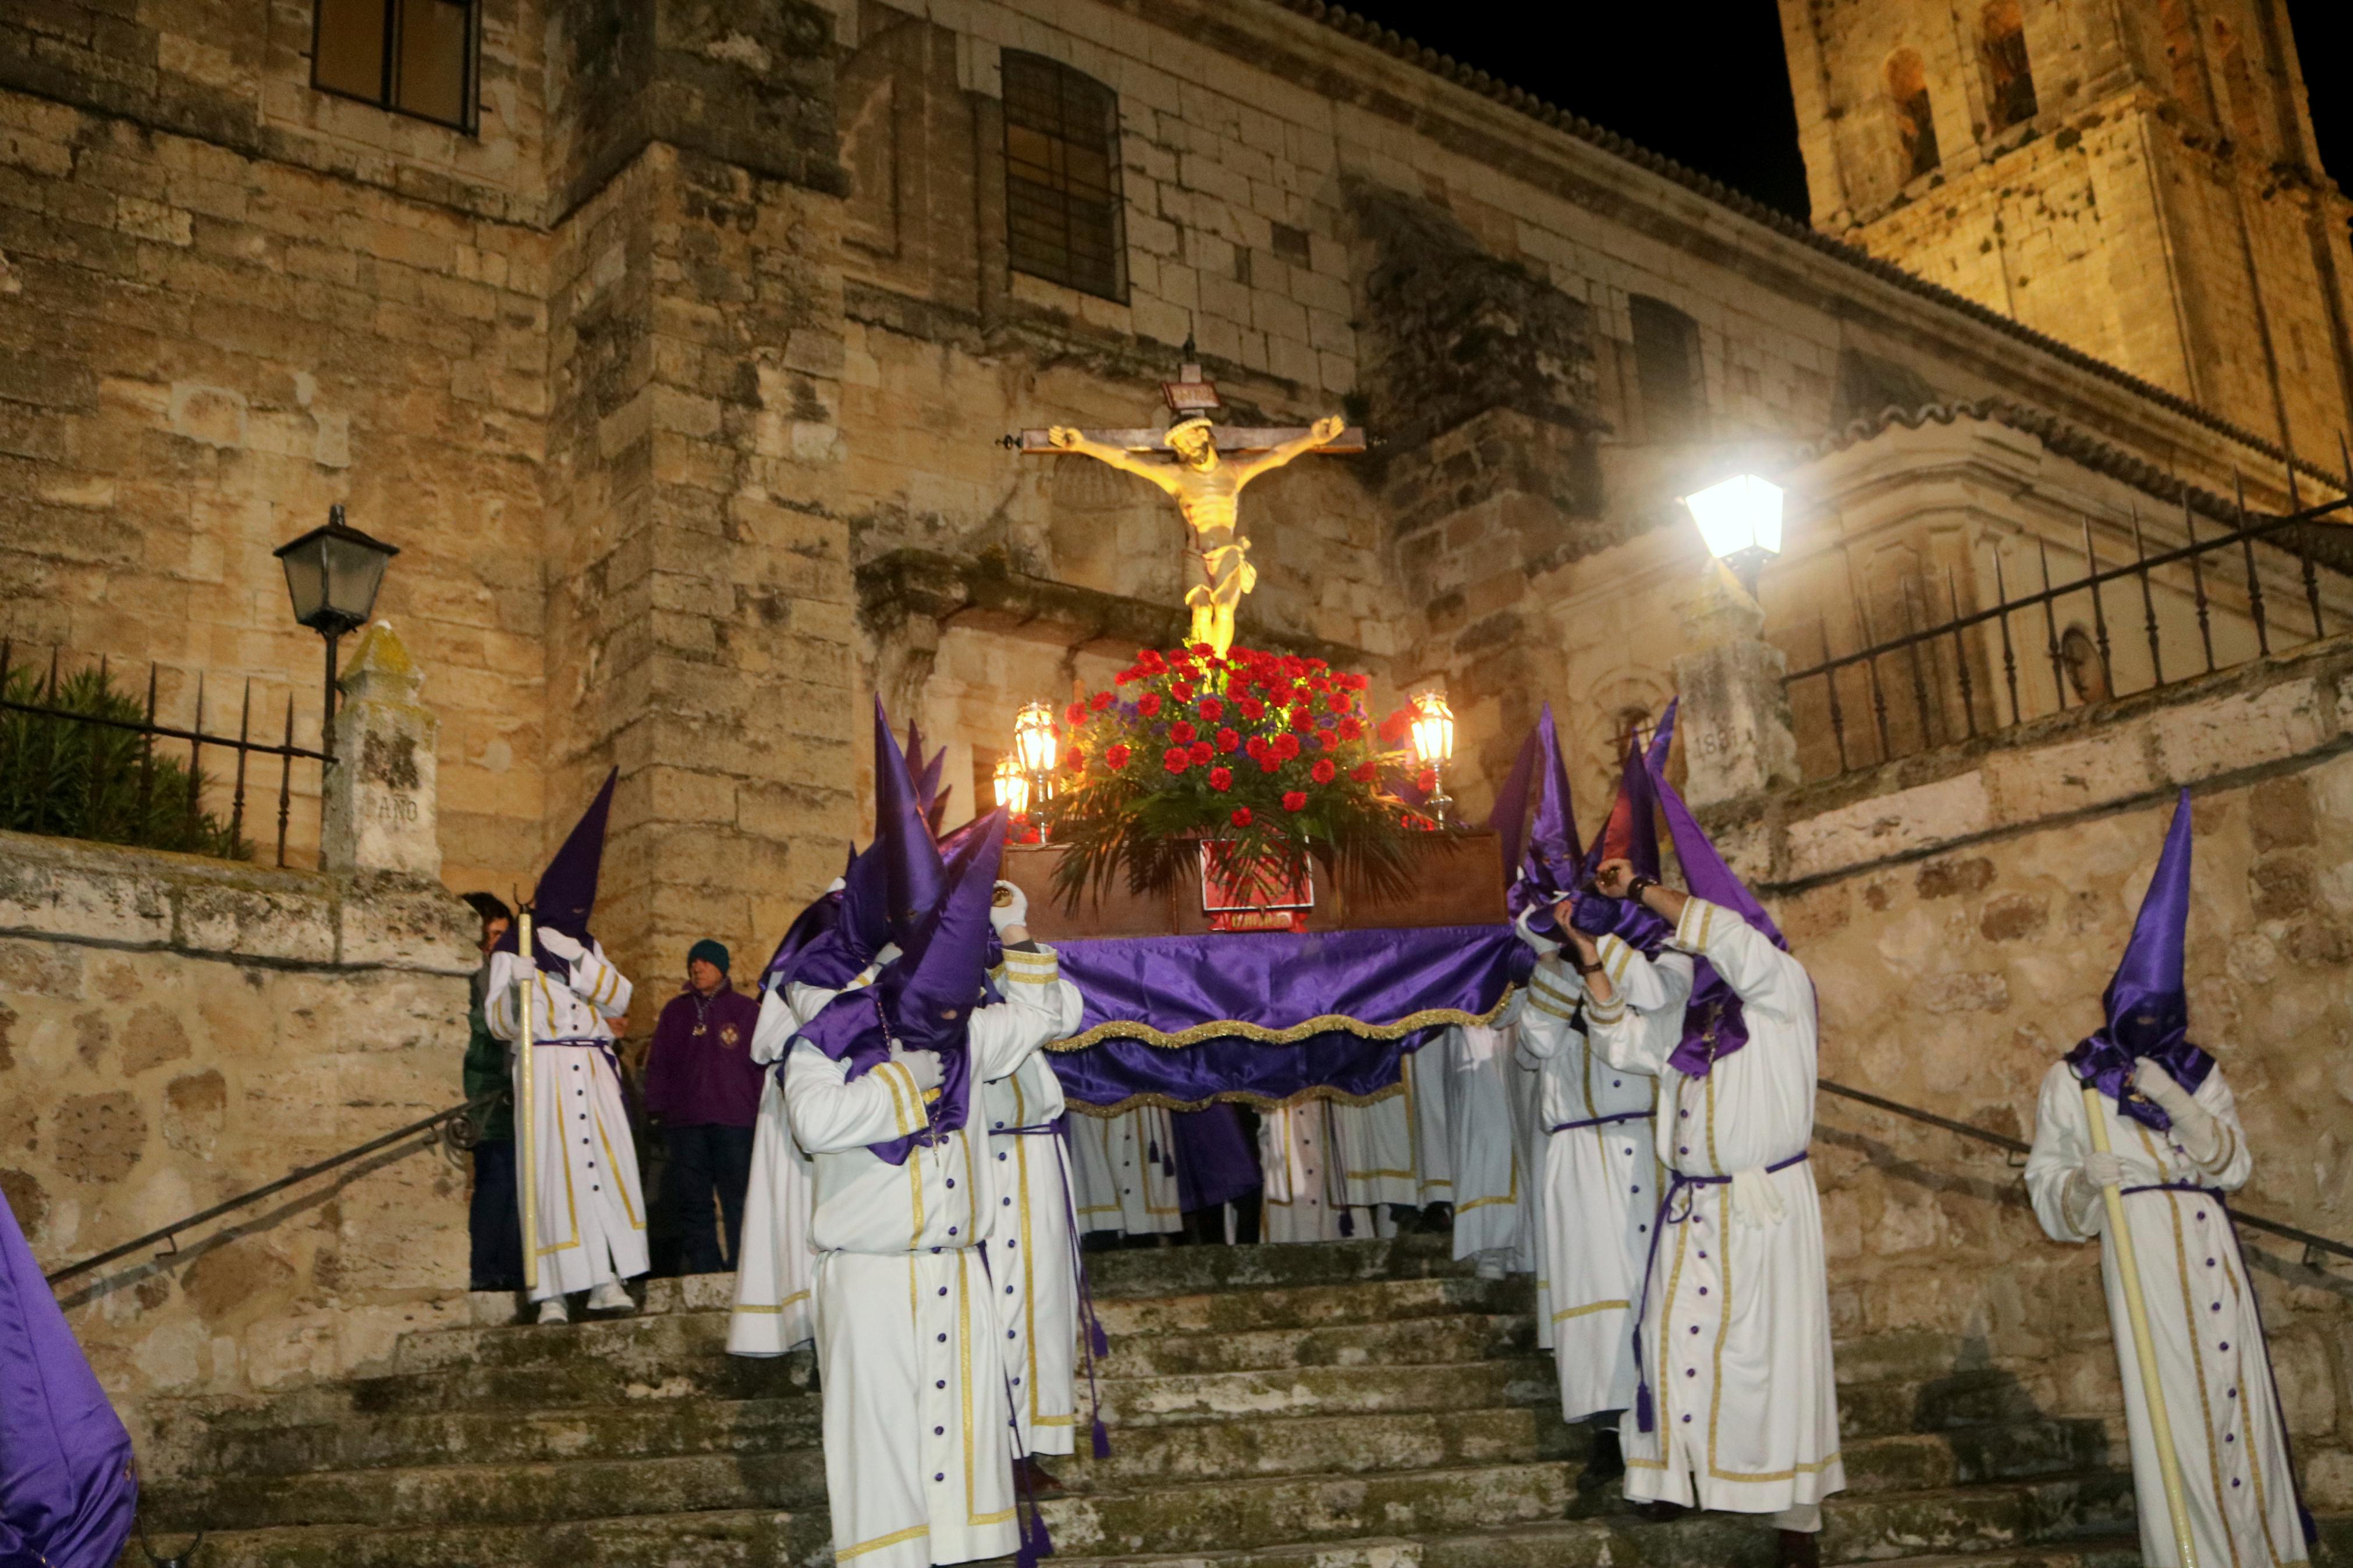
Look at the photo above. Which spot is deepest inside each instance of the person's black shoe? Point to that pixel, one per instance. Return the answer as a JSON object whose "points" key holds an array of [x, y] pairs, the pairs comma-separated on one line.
{"points": [[1607, 1463], [1404, 1218], [1099, 1241], [1800, 1549], [1438, 1216], [1660, 1512]]}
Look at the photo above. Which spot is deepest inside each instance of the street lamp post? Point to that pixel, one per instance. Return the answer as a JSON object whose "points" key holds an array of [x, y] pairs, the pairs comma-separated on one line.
{"points": [[1740, 519], [332, 574], [1433, 745]]}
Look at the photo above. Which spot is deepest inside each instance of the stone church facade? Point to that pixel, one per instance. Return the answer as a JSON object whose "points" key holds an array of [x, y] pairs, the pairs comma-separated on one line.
{"points": [[677, 366]]}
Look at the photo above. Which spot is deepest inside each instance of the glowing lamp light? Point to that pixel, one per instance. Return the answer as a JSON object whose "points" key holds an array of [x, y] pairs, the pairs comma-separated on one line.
{"points": [[1740, 519], [1433, 730], [1034, 741], [1012, 786]]}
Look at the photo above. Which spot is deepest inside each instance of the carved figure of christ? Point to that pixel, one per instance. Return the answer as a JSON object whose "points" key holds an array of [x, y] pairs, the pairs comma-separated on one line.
{"points": [[1205, 487]]}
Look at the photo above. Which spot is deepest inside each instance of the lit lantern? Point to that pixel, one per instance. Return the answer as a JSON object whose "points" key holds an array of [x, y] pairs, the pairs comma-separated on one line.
{"points": [[1740, 519], [332, 574], [1433, 745], [1034, 741], [1012, 786]]}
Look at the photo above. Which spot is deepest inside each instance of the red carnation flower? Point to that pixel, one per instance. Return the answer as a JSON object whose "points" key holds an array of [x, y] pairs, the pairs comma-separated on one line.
{"points": [[1123, 677], [1228, 739], [1364, 772], [1338, 701], [1116, 756], [1270, 763], [1319, 683], [1074, 714], [1294, 800], [1241, 816], [1200, 650], [1182, 692], [1148, 658], [1426, 781], [1352, 728], [1177, 760], [1285, 746], [1099, 702], [1221, 778], [1252, 709], [1200, 750], [1148, 704], [1394, 727], [1255, 747], [1326, 739], [1302, 719], [1180, 731], [1075, 759], [1212, 710], [1324, 771]]}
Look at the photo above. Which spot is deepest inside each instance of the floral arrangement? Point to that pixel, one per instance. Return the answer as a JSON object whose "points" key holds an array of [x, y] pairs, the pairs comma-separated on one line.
{"points": [[1271, 756]]}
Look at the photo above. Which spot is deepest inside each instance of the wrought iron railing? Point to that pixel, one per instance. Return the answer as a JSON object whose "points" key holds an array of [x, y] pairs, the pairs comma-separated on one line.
{"points": [[169, 1234], [58, 775], [2018, 1149], [1975, 671]]}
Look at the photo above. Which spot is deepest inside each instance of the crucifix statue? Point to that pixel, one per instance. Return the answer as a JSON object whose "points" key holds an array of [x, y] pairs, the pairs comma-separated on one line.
{"points": [[1205, 481]]}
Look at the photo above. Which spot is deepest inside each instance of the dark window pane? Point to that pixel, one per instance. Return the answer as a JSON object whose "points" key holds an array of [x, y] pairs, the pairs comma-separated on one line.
{"points": [[1061, 175], [349, 59], [1667, 369], [435, 43]]}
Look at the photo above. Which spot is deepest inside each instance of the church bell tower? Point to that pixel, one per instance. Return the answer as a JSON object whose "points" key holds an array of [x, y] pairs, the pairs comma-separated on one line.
{"points": [[2136, 178]]}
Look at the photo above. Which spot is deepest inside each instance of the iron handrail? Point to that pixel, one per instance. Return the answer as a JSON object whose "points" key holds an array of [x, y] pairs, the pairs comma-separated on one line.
{"points": [[170, 1232], [2001, 1141]]}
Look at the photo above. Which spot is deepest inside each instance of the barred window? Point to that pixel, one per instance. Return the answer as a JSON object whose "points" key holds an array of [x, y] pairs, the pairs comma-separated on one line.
{"points": [[2010, 76], [1062, 176], [1667, 371], [413, 57], [1916, 123]]}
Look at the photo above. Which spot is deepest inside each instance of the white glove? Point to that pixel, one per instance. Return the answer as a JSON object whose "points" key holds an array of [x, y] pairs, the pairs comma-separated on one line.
{"points": [[2103, 1169], [2193, 1124], [1009, 907], [923, 1066], [1755, 1202], [1543, 945], [557, 943]]}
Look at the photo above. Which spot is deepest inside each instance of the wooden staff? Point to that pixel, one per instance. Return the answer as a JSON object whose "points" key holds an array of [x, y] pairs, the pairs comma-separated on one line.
{"points": [[525, 1166], [2169, 1464]]}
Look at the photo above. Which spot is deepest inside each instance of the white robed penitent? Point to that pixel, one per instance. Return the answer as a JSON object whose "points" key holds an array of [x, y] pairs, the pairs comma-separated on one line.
{"points": [[1125, 1169], [775, 1269], [1736, 1342]]}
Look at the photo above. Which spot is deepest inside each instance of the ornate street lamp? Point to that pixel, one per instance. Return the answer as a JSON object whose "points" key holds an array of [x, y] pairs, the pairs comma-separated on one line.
{"points": [[332, 574], [1036, 746], [1433, 745], [1740, 519]]}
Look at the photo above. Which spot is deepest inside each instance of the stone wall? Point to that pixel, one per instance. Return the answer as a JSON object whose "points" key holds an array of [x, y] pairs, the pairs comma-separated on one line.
{"points": [[1960, 913], [175, 1031]]}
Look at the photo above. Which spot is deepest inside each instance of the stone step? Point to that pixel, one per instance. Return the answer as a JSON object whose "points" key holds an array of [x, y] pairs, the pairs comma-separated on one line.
{"points": [[732, 1539], [1189, 1270], [1240, 1309], [1212, 1464], [1652, 1547], [1413, 1342]]}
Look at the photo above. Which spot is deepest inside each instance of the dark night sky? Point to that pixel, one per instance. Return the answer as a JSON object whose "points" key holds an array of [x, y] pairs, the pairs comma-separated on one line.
{"points": [[1703, 80]]}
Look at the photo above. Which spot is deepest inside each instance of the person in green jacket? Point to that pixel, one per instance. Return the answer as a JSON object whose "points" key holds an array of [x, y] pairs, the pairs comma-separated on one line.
{"points": [[495, 1218]]}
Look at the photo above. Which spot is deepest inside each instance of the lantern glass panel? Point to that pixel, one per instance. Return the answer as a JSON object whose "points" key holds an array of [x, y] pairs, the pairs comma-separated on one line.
{"points": [[1012, 786], [1739, 513], [1034, 741], [353, 571], [1433, 729], [306, 580]]}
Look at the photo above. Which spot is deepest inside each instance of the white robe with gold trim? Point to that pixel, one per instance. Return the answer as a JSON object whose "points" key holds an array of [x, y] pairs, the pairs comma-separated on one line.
{"points": [[2204, 1318], [1124, 1166], [776, 1272], [911, 1346], [1737, 1341], [1483, 1140], [1374, 1147], [1302, 1197], [591, 1204], [1601, 1182]]}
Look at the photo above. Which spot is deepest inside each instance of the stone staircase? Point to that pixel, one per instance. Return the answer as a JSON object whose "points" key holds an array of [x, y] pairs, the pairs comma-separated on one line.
{"points": [[1356, 1404]]}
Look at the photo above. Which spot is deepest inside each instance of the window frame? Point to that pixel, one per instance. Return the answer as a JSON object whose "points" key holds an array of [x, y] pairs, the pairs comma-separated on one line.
{"points": [[1695, 415], [1113, 195], [386, 99]]}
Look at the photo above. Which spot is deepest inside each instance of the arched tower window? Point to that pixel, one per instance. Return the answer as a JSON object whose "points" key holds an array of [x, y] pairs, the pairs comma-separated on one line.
{"points": [[1667, 371], [2237, 85], [2010, 76], [2182, 55], [1062, 176], [1915, 128]]}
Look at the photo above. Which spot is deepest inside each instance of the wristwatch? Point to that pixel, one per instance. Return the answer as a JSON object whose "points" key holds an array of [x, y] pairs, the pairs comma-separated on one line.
{"points": [[1634, 889], [1595, 967]]}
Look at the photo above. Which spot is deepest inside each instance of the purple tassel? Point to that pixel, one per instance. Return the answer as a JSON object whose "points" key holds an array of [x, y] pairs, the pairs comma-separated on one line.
{"points": [[1347, 1224], [1644, 1419], [1102, 1440], [1097, 1341]]}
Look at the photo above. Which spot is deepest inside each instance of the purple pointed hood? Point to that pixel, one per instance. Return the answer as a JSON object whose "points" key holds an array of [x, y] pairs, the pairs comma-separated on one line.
{"points": [[1631, 832], [861, 928], [930, 798], [1714, 1025], [911, 856], [925, 1000], [818, 919], [2147, 1004], [1509, 820], [1551, 863], [68, 1490], [567, 888]]}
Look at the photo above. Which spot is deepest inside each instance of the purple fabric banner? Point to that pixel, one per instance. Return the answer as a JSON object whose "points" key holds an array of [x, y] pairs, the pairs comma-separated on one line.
{"points": [[1184, 1021]]}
